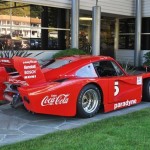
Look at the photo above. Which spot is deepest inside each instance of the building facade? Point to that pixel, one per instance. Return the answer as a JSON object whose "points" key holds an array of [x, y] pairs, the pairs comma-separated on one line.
{"points": [[45, 25]]}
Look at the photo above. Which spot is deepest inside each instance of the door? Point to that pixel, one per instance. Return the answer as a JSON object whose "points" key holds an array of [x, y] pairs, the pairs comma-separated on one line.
{"points": [[125, 91]]}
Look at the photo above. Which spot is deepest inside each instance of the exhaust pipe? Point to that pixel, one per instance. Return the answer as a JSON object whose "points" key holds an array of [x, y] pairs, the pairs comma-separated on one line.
{"points": [[14, 97], [8, 97]]}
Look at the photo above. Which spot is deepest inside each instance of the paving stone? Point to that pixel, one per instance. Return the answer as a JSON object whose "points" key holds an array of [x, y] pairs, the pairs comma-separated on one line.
{"points": [[66, 126], [10, 132], [11, 123], [38, 117], [48, 123], [8, 110], [3, 107], [33, 129], [9, 139], [79, 121], [2, 136]]}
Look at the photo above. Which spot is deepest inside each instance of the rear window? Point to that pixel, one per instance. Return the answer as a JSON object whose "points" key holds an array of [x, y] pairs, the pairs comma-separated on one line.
{"points": [[87, 71], [58, 63]]}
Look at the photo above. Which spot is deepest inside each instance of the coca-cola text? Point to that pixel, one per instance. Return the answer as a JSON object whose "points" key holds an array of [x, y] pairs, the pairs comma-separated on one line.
{"points": [[55, 100]]}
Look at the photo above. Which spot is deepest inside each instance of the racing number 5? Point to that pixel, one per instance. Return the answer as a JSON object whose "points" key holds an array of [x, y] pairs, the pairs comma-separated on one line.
{"points": [[116, 87]]}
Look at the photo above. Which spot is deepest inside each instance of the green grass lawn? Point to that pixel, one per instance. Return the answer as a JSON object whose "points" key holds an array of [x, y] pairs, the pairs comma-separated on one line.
{"points": [[128, 132]]}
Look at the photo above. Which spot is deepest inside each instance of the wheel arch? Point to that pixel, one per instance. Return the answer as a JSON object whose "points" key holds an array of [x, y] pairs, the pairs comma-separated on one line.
{"points": [[148, 78], [98, 86], [79, 109], [145, 80]]}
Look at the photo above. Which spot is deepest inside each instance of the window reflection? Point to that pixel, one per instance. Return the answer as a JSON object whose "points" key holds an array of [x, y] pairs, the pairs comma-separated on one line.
{"points": [[107, 36], [25, 27], [85, 31]]}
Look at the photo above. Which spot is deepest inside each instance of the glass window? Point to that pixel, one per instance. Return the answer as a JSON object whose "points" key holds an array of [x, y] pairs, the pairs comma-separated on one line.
{"points": [[86, 71], [118, 70], [145, 25], [145, 40], [126, 41], [107, 68], [58, 63], [85, 31], [126, 33], [107, 36], [145, 37], [127, 25], [41, 27]]}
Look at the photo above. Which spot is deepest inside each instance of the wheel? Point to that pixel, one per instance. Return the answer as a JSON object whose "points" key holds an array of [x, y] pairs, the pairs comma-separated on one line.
{"points": [[89, 101], [146, 90]]}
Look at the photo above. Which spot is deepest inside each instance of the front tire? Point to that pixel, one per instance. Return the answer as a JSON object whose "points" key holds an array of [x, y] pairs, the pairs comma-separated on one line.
{"points": [[89, 101], [146, 90]]}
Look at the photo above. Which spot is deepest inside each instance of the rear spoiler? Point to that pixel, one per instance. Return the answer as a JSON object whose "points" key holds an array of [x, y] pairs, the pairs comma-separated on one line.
{"points": [[29, 69]]}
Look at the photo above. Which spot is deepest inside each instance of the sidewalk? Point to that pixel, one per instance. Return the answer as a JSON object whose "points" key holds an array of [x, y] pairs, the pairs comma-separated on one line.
{"points": [[18, 124]]}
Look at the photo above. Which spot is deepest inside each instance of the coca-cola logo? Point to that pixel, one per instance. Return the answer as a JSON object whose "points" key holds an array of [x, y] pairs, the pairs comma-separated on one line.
{"points": [[55, 100]]}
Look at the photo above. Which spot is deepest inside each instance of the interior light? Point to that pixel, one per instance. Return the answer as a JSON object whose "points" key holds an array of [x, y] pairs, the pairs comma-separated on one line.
{"points": [[85, 18]]}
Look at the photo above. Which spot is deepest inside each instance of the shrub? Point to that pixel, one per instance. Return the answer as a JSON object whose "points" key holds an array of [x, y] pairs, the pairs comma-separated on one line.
{"points": [[69, 52], [11, 53], [128, 68], [147, 59]]}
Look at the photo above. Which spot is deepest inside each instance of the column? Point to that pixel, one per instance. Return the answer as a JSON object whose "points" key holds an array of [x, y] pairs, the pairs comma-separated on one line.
{"points": [[138, 24], [96, 22], [89, 34], [116, 39], [75, 24], [67, 27]]}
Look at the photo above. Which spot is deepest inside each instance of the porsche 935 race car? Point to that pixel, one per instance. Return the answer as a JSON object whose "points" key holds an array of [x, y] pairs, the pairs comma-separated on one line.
{"points": [[77, 85]]}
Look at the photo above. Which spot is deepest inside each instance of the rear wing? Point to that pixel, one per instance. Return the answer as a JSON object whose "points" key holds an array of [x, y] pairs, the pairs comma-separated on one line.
{"points": [[6, 62], [29, 69]]}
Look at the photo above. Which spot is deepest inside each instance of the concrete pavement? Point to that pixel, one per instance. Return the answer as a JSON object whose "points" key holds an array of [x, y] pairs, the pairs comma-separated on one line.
{"points": [[18, 124]]}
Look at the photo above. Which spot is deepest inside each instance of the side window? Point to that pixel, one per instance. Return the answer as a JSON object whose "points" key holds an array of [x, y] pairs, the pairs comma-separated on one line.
{"points": [[86, 71], [118, 70], [107, 68]]}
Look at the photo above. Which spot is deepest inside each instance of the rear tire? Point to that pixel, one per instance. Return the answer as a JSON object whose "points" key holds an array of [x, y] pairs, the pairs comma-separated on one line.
{"points": [[146, 90], [89, 101]]}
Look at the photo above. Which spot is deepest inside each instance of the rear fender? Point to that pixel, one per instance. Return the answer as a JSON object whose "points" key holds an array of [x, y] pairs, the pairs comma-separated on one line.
{"points": [[51, 98], [3, 78]]}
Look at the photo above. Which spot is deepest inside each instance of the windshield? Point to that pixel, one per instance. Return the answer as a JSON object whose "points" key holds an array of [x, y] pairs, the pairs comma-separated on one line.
{"points": [[58, 63]]}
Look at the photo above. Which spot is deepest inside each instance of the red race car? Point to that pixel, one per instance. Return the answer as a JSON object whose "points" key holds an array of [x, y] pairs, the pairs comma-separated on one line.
{"points": [[77, 85]]}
